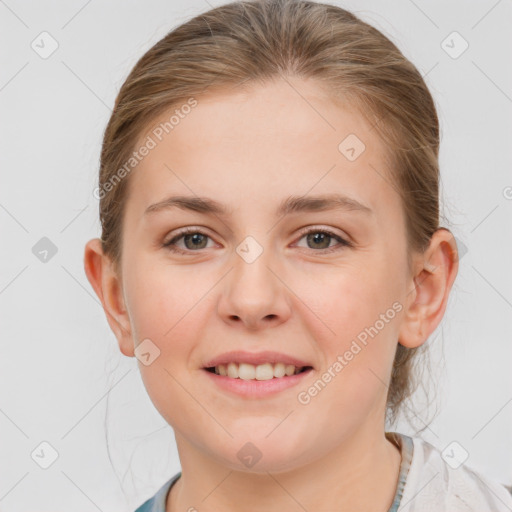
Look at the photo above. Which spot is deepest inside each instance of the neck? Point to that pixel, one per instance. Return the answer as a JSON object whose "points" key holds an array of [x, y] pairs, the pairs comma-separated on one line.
{"points": [[338, 481]]}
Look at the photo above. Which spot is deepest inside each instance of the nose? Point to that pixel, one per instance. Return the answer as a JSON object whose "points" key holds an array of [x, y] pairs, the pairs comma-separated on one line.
{"points": [[253, 294]]}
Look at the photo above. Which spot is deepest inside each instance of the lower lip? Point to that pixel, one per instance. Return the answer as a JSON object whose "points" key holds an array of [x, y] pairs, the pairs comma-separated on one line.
{"points": [[256, 388]]}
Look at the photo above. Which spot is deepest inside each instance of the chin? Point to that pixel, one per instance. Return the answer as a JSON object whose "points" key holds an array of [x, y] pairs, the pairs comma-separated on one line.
{"points": [[262, 453]]}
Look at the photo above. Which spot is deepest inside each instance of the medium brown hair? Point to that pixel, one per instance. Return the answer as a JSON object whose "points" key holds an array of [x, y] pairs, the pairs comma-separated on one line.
{"points": [[256, 41]]}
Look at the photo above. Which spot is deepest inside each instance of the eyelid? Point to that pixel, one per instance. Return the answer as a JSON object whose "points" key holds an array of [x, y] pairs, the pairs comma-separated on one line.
{"points": [[317, 227], [343, 240], [186, 231]]}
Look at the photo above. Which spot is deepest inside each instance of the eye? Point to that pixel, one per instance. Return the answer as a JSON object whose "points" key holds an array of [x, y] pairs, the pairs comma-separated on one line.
{"points": [[192, 238], [321, 238]]}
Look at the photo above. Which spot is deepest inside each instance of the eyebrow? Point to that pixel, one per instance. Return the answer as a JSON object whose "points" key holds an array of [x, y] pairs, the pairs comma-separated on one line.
{"points": [[292, 204]]}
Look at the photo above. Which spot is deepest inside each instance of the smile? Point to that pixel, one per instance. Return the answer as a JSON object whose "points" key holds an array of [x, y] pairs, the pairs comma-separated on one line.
{"points": [[265, 371], [253, 388]]}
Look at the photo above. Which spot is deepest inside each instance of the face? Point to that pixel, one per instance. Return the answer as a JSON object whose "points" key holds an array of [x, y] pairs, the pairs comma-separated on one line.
{"points": [[320, 283]]}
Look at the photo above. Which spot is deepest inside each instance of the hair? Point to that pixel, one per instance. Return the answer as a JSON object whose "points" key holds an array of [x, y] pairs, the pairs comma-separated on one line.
{"points": [[254, 42]]}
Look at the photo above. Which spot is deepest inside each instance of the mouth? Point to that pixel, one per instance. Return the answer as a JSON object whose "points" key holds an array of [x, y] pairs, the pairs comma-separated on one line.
{"points": [[251, 382], [255, 375], [260, 372]]}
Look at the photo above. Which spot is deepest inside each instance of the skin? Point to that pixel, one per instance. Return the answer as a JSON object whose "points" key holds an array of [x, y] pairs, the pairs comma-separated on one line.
{"points": [[250, 149]]}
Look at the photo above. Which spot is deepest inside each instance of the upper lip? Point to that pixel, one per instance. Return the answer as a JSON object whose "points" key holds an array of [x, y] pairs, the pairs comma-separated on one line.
{"points": [[254, 358]]}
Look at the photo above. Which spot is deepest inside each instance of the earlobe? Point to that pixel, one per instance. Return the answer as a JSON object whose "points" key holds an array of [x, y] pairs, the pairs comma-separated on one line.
{"points": [[435, 272], [107, 286]]}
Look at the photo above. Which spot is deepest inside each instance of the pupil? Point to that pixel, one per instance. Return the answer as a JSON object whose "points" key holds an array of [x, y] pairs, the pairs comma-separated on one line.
{"points": [[323, 237], [195, 237]]}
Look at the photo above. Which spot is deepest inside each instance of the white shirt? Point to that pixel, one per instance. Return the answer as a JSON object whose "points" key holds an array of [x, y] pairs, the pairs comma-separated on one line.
{"points": [[433, 483]]}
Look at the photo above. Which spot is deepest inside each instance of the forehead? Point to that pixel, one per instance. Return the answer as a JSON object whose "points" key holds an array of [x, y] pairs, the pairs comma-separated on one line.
{"points": [[262, 142]]}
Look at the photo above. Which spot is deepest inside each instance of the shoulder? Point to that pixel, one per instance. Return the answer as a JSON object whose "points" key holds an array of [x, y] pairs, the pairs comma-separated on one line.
{"points": [[157, 502], [439, 481]]}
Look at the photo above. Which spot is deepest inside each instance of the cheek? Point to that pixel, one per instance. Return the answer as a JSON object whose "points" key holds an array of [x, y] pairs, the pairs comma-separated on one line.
{"points": [[162, 300], [169, 306], [349, 300], [358, 358], [360, 308], [166, 307]]}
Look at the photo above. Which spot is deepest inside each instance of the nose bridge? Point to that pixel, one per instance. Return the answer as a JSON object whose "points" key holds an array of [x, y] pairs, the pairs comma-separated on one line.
{"points": [[251, 279], [251, 266], [253, 294]]}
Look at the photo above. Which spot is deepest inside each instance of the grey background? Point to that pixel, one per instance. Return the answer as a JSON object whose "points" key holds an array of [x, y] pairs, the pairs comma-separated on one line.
{"points": [[60, 364]]}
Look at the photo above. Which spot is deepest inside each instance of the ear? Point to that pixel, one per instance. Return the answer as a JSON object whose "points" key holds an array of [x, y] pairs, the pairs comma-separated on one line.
{"points": [[107, 285], [432, 280]]}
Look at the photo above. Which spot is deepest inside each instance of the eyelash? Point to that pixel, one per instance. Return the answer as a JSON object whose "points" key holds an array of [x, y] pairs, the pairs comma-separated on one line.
{"points": [[170, 245]]}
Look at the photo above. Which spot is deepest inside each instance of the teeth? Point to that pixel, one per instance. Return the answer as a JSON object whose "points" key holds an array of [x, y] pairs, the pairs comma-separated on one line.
{"points": [[246, 371], [264, 371], [280, 370]]}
